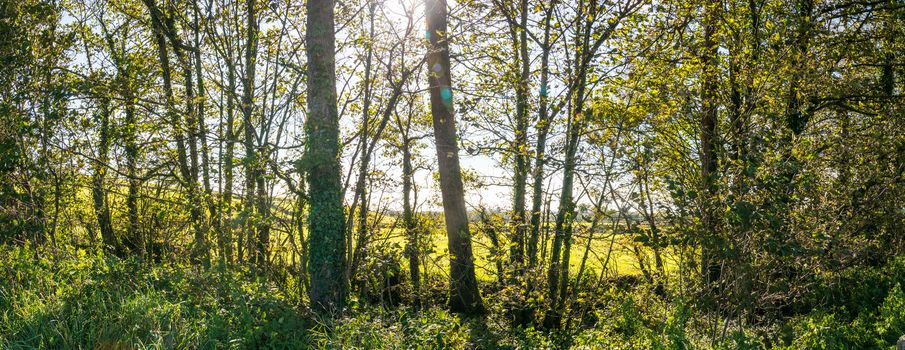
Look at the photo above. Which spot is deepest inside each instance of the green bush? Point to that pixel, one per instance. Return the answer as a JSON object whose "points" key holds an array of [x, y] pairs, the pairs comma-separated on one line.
{"points": [[872, 329], [891, 321]]}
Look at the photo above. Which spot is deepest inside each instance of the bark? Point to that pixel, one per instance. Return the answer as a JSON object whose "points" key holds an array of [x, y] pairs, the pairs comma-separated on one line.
{"points": [[262, 223], [125, 80], [517, 20], [251, 157], [520, 174], [199, 250], [708, 138], [464, 296], [202, 133], [362, 183], [408, 218], [327, 260], [543, 128], [558, 273], [98, 179], [135, 241], [226, 246], [162, 29]]}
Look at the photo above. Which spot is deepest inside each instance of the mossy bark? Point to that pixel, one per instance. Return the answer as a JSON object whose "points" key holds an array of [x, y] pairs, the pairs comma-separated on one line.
{"points": [[327, 259]]}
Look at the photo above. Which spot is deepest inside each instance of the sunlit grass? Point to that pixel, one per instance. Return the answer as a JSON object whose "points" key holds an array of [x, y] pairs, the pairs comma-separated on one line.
{"points": [[616, 252], [607, 252]]}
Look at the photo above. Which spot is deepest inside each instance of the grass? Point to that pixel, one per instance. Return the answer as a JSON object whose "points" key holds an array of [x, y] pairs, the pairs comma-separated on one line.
{"points": [[616, 252], [78, 300], [85, 301], [73, 299], [621, 259]]}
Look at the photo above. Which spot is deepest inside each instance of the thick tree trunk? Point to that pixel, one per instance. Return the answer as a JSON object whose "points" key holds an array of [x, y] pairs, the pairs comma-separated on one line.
{"points": [[327, 261], [464, 296]]}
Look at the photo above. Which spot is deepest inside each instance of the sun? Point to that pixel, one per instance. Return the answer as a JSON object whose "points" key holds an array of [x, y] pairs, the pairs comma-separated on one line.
{"points": [[400, 11]]}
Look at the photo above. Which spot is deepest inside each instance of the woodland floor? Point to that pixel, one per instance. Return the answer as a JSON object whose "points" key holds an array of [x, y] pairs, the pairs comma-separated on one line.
{"points": [[79, 300]]}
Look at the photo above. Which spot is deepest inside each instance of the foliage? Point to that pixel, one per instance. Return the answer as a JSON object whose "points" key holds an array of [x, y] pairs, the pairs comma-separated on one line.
{"points": [[720, 174], [76, 299], [82, 300]]}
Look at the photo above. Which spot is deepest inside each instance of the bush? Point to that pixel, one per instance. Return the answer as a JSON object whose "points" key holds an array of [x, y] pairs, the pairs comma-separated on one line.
{"points": [[891, 321], [872, 329]]}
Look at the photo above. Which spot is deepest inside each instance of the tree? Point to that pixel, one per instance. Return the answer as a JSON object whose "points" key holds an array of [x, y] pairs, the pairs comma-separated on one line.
{"points": [[164, 31], [326, 221], [543, 129], [587, 17], [464, 296], [517, 22], [709, 105]]}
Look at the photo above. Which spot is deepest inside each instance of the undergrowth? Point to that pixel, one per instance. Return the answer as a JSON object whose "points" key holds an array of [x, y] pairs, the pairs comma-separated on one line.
{"points": [[80, 300]]}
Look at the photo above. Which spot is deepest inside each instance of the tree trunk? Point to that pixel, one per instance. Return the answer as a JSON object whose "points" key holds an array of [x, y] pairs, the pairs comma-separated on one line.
{"points": [[520, 173], [262, 220], [160, 27], [251, 157], [408, 218], [558, 273], [464, 296], [543, 127], [361, 186], [327, 261], [226, 245], [709, 96], [136, 241], [125, 80], [199, 250], [204, 150], [98, 194]]}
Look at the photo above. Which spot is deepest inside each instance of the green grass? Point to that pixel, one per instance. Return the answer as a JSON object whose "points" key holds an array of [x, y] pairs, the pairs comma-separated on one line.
{"points": [[76, 300], [85, 301], [622, 260], [79, 300], [72, 299]]}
